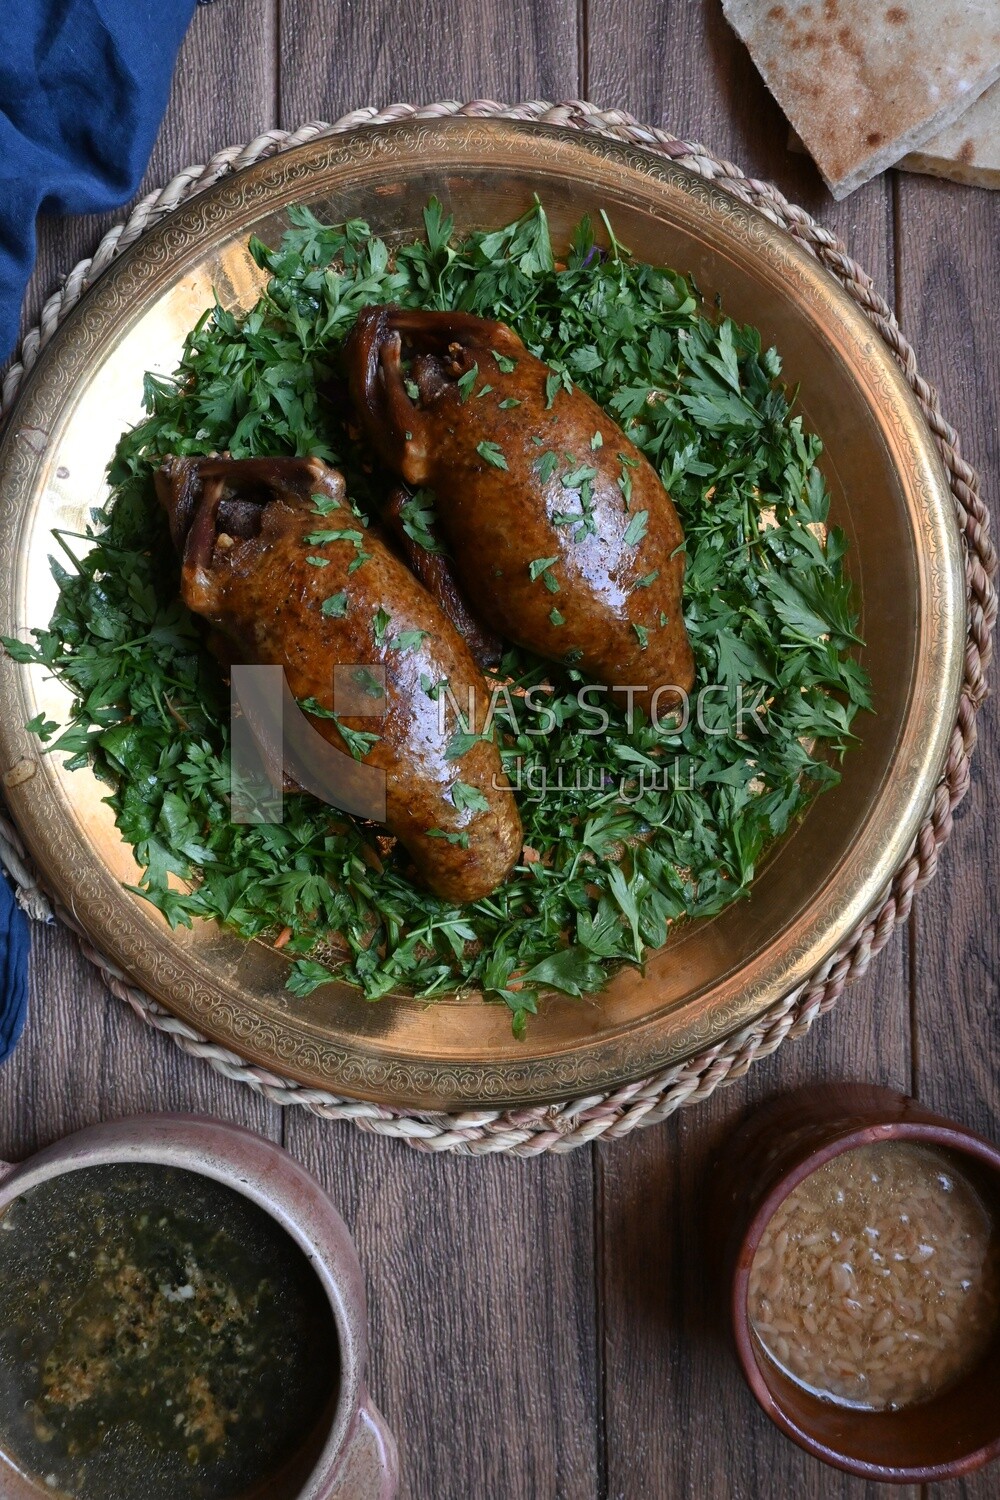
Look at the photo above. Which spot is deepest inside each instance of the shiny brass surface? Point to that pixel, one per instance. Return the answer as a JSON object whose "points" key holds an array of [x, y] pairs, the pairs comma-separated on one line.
{"points": [[888, 492]]}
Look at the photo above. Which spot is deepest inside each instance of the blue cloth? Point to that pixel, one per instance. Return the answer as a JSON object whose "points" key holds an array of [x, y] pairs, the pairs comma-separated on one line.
{"points": [[13, 969], [83, 87]]}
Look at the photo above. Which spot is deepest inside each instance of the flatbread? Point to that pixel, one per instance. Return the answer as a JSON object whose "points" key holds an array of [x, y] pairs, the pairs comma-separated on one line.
{"points": [[862, 81], [969, 150]]}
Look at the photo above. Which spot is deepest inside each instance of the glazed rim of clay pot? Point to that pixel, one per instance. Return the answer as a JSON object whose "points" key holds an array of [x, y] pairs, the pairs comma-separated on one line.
{"points": [[945, 1437], [261, 1171]]}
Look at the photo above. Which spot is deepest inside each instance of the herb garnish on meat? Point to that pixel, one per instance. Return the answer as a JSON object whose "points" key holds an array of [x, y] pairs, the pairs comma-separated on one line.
{"points": [[637, 829]]}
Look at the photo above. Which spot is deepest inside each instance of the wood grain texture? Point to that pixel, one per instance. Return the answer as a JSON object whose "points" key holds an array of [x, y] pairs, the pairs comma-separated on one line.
{"points": [[677, 64], [481, 1291], [85, 1057], [336, 57], [949, 257]]}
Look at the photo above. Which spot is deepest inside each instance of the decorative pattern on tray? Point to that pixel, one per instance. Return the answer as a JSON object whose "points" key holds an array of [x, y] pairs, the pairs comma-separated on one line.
{"points": [[609, 1114]]}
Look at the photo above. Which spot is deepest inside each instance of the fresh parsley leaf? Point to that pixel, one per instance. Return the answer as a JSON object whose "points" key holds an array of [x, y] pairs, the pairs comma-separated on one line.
{"points": [[408, 640], [636, 528], [336, 606], [419, 520], [468, 798], [467, 381], [492, 453], [307, 975], [546, 464], [324, 504], [461, 839]]}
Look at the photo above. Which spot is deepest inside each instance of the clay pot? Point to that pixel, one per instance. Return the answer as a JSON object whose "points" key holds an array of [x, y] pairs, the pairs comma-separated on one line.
{"points": [[353, 1456], [942, 1438]]}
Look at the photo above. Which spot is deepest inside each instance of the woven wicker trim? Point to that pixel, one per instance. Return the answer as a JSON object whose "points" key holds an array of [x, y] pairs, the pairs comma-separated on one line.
{"points": [[607, 1116]]}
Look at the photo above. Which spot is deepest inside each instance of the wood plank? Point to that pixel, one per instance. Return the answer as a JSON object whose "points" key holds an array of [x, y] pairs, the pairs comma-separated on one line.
{"points": [[335, 58], [224, 92], [949, 265], [480, 1279], [85, 1057], [680, 1420]]}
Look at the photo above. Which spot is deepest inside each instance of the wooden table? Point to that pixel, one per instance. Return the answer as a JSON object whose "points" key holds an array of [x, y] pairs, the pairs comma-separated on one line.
{"points": [[546, 1328]]}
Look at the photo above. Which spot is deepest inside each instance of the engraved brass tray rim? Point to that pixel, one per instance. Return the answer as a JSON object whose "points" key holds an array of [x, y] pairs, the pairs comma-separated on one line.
{"points": [[194, 990]]}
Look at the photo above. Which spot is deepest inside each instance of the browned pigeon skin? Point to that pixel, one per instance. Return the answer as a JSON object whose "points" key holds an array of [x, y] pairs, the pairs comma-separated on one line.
{"points": [[618, 605], [255, 584], [435, 571]]}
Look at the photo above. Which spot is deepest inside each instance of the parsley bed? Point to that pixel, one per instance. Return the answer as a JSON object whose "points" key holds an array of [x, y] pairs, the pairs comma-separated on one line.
{"points": [[635, 829]]}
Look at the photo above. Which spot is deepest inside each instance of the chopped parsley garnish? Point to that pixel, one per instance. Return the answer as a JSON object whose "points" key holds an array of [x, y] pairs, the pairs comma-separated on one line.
{"points": [[335, 606], [492, 453], [581, 476], [467, 381], [324, 504], [321, 538], [461, 839], [767, 607], [540, 568], [636, 528], [545, 465], [556, 617], [468, 798], [408, 640], [419, 519], [358, 741]]}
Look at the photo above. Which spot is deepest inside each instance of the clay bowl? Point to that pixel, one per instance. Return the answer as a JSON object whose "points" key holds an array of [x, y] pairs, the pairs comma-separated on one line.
{"points": [[947, 1436], [352, 1455]]}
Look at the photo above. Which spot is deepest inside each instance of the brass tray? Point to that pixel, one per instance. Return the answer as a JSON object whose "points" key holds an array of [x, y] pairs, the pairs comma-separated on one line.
{"points": [[888, 492]]}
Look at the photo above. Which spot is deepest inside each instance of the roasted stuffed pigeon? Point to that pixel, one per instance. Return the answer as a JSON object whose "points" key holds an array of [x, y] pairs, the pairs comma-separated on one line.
{"points": [[277, 560], [561, 536]]}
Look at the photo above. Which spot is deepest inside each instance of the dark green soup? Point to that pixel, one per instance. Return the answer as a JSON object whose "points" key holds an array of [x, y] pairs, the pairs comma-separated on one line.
{"points": [[161, 1338]]}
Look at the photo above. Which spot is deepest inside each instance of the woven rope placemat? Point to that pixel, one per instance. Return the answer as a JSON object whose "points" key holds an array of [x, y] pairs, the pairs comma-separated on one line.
{"points": [[606, 1116]]}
